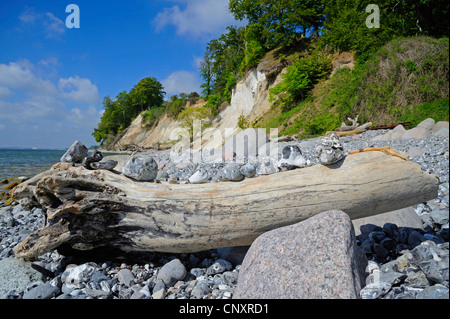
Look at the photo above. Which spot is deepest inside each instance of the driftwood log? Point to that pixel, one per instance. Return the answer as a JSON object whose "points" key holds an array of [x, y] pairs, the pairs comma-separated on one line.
{"points": [[87, 209]]}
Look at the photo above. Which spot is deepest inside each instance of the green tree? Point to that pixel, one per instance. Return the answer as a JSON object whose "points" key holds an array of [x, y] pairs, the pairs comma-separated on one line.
{"points": [[301, 77], [281, 22], [147, 94], [345, 25]]}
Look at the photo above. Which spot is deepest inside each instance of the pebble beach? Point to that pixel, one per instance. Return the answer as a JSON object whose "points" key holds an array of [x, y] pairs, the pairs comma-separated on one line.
{"points": [[404, 262]]}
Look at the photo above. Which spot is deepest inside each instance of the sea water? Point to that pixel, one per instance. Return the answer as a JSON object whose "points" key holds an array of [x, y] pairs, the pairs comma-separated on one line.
{"points": [[17, 163]]}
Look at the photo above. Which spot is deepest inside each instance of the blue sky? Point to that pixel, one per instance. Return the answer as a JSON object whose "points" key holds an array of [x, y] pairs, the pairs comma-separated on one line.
{"points": [[53, 78]]}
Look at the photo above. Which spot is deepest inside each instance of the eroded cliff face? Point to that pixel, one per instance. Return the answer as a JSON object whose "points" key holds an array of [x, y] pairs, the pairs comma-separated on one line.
{"points": [[250, 98]]}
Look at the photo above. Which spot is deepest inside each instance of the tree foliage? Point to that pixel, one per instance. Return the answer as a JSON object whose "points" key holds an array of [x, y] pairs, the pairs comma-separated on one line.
{"points": [[301, 77], [121, 111], [345, 24]]}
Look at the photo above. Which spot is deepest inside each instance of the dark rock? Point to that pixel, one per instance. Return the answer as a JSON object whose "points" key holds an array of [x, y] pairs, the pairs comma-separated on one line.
{"points": [[415, 238], [403, 235], [390, 229], [377, 235], [76, 153], [368, 228], [389, 243], [108, 165], [380, 252], [444, 234]]}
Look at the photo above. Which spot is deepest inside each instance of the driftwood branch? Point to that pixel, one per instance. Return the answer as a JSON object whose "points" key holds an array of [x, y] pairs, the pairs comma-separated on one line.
{"points": [[86, 209]]}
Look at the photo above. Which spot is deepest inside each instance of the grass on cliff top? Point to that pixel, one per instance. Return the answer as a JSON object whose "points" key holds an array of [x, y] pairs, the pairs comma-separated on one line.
{"points": [[407, 80]]}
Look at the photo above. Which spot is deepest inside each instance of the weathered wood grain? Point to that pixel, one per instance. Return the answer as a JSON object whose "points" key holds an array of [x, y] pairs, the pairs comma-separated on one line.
{"points": [[89, 209]]}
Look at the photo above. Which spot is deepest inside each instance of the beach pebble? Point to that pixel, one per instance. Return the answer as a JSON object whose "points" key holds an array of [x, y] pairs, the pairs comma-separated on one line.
{"points": [[141, 168], [172, 272]]}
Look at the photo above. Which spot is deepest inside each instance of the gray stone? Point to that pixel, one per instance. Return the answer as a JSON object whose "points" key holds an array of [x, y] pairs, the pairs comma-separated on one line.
{"points": [[231, 172], [219, 266], [417, 280], [330, 150], [141, 168], [390, 277], [200, 290], [443, 132], [375, 290], [126, 277], [316, 258], [440, 125], [44, 291], [434, 292], [97, 294], [416, 152], [199, 177], [158, 285], [197, 272], [16, 275], [427, 124], [247, 142], [162, 175], [160, 294], [108, 165], [417, 132], [291, 158], [267, 166], [172, 272], [248, 170], [76, 277], [76, 153], [432, 260], [440, 216]]}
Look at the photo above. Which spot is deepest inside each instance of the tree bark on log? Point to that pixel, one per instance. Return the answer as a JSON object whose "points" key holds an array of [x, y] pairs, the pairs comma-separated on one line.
{"points": [[88, 209]]}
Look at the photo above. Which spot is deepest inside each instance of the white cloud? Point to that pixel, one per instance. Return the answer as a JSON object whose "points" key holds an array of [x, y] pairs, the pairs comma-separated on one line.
{"points": [[19, 75], [29, 15], [44, 112], [80, 90], [5, 92], [89, 116], [53, 26], [181, 82], [196, 18]]}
